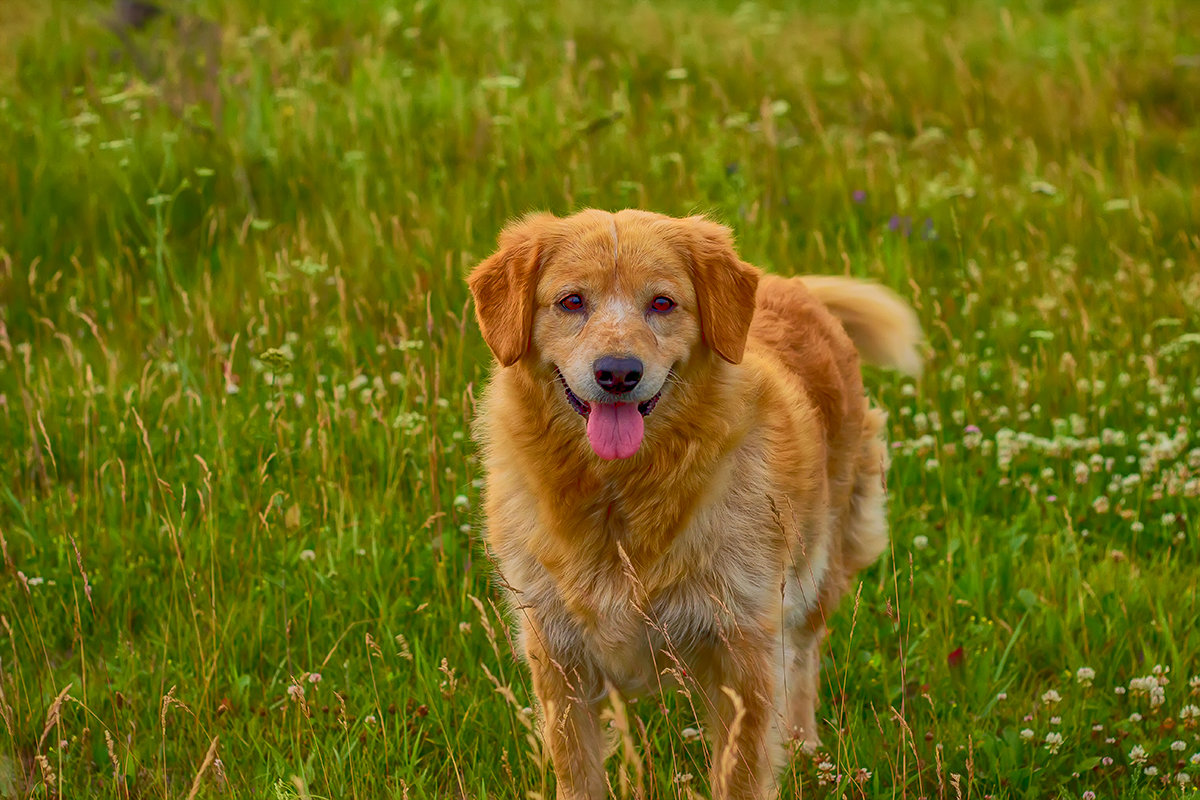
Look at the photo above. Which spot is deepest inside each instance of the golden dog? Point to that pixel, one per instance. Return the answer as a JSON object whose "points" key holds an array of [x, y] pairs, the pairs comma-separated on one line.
{"points": [[683, 473]]}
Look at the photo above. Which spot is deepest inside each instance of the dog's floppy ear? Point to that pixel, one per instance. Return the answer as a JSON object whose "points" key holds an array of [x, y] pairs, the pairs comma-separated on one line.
{"points": [[725, 286], [503, 287]]}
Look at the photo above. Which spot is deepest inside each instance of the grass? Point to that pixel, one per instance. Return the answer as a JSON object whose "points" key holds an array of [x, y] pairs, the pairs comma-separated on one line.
{"points": [[237, 369]]}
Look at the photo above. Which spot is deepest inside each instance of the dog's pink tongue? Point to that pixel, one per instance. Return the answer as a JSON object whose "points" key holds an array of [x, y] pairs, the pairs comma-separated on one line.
{"points": [[615, 430]]}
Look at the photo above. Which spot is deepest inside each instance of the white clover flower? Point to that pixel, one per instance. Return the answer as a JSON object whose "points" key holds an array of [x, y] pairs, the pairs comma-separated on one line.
{"points": [[1054, 741], [1179, 745], [1107, 760], [1089, 795], [1135, 717], [1151, 771], [1097, 727], [1194, 683], [920, 542], [314, 677], [1119, 690], [1189, 712], [1027, 734], [295, 691], [1157, 697], [1195, 760], [1051, 697], [1183, 779], [307, 555], [1085, 675], [1137, 755]]}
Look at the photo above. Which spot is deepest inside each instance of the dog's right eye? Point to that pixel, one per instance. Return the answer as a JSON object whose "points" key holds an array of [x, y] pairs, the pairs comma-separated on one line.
{"points": [[571, 302]]}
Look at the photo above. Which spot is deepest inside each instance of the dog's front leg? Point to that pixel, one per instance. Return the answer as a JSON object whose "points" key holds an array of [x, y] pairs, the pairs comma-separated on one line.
{"points": [[746, 747], [570, 726]]}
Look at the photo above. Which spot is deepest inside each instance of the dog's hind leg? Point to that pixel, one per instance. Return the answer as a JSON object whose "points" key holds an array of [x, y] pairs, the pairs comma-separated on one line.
{"points": [[865, 535]]}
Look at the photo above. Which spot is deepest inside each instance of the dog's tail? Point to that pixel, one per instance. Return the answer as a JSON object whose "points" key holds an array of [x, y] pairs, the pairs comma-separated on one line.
{"points": [[882, 326]]}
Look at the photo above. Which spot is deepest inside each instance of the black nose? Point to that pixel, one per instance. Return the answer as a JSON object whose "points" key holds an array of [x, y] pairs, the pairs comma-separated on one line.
{"points": [[617, 375]]}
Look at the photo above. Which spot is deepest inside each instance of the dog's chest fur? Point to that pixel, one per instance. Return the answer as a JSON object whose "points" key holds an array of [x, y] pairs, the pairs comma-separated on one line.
{"points": [[635, 605]]}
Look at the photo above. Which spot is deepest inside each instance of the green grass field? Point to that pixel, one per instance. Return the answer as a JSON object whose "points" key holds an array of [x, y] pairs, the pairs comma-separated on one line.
{"points": [[239, 521]]}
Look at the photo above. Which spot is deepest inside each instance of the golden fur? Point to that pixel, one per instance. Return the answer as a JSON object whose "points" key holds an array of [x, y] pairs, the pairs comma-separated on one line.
{"points": [[715, 553]]}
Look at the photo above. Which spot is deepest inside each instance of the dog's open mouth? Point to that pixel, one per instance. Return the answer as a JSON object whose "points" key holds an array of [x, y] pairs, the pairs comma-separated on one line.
{"points": [[614, 430]]}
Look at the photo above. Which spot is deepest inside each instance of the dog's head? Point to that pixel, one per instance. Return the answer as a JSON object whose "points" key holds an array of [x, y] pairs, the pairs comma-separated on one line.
{"points": [[613, 306]]}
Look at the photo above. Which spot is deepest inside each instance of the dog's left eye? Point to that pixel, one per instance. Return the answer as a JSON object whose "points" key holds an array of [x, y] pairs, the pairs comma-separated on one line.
{"points": [[571, 302], [662, 304]]}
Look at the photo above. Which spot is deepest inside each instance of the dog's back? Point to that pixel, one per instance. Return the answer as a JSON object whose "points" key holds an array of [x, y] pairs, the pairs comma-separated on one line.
{"points": [[819, 327]]}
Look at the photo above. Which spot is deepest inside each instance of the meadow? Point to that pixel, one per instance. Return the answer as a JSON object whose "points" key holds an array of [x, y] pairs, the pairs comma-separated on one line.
{"points": [[239, 526]]}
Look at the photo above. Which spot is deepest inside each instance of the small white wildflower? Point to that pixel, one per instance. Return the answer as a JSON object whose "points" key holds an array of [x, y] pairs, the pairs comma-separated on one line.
{"points": [[1151, 771], [920, 542], [1056, 720], [689, 734], [1054, 742], [295, 691], [1195, 760], [35, 581], [1135, 717], [1089, 795], [1137, 755], [1157, 697], [307, 555], [1179, 745], [314, 677], [1194, 683], [1189, 712], [1119, 690], [682, 777], [1107, 760], [1051, 697], [1002, 696], [1027, 734], [1085, 675], [1183, 779], [460, 501]]}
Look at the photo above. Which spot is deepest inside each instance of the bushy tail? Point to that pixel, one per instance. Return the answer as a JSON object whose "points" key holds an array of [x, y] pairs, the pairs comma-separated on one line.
{"points": [[882, 326]]}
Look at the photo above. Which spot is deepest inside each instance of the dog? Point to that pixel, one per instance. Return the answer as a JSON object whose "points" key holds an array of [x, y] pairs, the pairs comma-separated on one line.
{"points": [[683, 475]]}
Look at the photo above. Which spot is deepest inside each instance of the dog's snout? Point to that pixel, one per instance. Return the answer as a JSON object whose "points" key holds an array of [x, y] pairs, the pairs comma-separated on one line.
{"points": [[617, 374]]}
